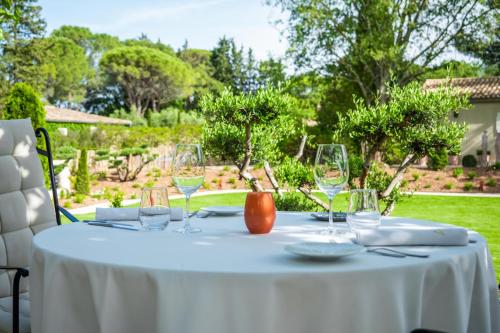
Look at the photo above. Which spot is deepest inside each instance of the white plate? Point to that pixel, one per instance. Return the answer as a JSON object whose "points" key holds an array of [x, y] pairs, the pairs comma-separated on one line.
{"points": [[223, 210], [329, 251]]}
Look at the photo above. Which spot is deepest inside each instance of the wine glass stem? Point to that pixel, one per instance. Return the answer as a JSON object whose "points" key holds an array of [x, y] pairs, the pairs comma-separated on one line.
{"points": [[187, 225], [331, 229]]}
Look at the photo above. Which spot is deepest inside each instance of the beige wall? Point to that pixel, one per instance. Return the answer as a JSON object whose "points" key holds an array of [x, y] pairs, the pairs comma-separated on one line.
{"points": [[480, 118]]}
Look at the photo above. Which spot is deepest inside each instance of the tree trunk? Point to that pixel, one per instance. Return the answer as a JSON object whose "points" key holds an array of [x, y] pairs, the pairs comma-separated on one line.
{"points": [[396, 179], [254, 182], [248, 149], [303, 141], [270, 176], [313, 198], [388, 210]]}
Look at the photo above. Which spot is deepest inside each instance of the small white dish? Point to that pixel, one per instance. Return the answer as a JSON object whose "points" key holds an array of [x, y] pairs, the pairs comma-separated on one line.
{"points": [[323, 216], [223, 210], [325, 251]]}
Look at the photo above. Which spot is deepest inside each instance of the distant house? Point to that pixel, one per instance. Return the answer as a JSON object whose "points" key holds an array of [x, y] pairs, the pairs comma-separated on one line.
{"points": [[484, 116], [60, 115]]}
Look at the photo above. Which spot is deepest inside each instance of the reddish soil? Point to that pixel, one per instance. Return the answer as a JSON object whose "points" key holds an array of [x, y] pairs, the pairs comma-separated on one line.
{"points": [[225, 178]]}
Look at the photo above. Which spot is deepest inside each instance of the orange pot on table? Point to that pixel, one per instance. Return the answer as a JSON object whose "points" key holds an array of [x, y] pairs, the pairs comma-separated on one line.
{"points": [[260, 212]]}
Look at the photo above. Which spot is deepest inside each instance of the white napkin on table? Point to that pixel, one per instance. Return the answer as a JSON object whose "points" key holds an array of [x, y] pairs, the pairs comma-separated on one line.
{"points": [[413, 235], [130, 214]]}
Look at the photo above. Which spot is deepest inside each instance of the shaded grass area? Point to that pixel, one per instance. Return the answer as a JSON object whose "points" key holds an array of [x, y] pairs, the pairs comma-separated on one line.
{"points": [[479, 214]]}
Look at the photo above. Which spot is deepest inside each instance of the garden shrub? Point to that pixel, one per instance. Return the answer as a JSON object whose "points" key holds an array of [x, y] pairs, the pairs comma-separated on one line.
{"points": [[117, 199], [491, 182], [415, 176], [469, 161], [165, 118], [496, 166], [79, 198], [448, 186], [133, 116], [293, 174], [468, 186], [294, 201], [65, 153], [24, 102], [100, 175], [457, 172], [438, 159], [82, 183], [471, 175]]}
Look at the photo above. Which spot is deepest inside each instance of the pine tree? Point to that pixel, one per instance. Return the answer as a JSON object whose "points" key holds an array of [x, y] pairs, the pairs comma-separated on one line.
{"points": [[82, 184]]}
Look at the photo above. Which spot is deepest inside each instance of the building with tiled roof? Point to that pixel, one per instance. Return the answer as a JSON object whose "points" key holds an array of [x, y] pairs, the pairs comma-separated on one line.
{"points": [[479, 89], [483, 119], [60, 115]]}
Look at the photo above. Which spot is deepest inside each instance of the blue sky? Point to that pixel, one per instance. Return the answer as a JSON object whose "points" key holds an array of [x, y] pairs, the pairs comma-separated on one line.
{"points": [[201, 22]]}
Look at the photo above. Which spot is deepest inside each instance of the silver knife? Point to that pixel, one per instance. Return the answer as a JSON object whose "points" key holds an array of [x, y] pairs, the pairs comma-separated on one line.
{"points": [[112, 225]]}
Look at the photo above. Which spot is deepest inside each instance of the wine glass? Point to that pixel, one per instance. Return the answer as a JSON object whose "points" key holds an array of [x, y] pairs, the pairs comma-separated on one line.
{"points": [[154, 212], [188, 175], [363, 212], [331, 172]]}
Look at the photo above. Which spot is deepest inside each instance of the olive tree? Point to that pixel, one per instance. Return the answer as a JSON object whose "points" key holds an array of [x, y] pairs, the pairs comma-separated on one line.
{"points": [[414, 119], [244, 127]]}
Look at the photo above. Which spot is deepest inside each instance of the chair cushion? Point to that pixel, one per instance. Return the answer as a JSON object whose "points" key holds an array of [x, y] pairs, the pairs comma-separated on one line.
{"points": [[25, 204], [6, 314]]}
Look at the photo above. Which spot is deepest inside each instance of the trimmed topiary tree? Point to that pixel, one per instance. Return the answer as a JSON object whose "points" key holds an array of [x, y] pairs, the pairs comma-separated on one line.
{"points": [[82, 184], [24, 102], [469, 161]]}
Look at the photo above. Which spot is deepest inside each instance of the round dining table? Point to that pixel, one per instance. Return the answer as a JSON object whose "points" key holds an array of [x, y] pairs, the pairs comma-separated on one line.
{"points": [[87, 278]]}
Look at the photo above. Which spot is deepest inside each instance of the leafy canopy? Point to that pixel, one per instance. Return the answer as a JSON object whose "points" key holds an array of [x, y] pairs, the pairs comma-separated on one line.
{"points": [[415, 119], [229, 116], [149, 78]]}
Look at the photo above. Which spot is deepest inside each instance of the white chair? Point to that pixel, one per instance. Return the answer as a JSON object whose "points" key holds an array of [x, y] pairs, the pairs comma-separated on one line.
{"points": [[25, 209]]}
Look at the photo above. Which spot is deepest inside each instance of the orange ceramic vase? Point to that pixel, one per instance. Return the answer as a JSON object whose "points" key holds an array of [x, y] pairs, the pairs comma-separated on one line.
{"points": [[260, 212]]}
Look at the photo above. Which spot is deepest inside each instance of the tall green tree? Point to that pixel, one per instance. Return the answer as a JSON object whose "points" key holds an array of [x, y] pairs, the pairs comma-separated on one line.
{"points": [[22, 48], [93, 44], [370, 43], [82, 182], [149, 78], [232, 67], [68, 71]]}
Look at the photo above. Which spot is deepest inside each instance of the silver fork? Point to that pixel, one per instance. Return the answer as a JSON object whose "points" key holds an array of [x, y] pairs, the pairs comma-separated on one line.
{"points": [[397, 253]]}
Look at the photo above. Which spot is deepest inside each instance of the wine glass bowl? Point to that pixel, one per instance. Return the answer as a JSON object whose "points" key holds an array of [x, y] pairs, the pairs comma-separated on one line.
{"points": [[188, 175], [331, 173]]}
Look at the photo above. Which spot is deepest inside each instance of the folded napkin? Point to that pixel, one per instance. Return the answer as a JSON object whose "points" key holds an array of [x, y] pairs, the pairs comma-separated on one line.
{"points": [[412, 235], [130, 214]]}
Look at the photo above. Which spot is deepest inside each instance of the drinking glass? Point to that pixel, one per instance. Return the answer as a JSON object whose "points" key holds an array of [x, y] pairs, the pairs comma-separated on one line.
{"points": [[331, 172], [363, 210], [154, 212], [188, 175]]}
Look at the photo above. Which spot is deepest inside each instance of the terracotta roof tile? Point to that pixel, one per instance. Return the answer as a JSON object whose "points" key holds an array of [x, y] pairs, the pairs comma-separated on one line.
{"points": [[478, 88], [59, 115]]}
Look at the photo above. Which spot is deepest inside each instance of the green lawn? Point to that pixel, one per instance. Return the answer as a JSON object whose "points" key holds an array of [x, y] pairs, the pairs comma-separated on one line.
{"points": [[479, 214]]}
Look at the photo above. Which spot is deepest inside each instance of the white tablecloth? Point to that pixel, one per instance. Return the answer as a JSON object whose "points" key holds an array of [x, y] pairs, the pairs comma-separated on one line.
{"points": [[224, 280]]}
